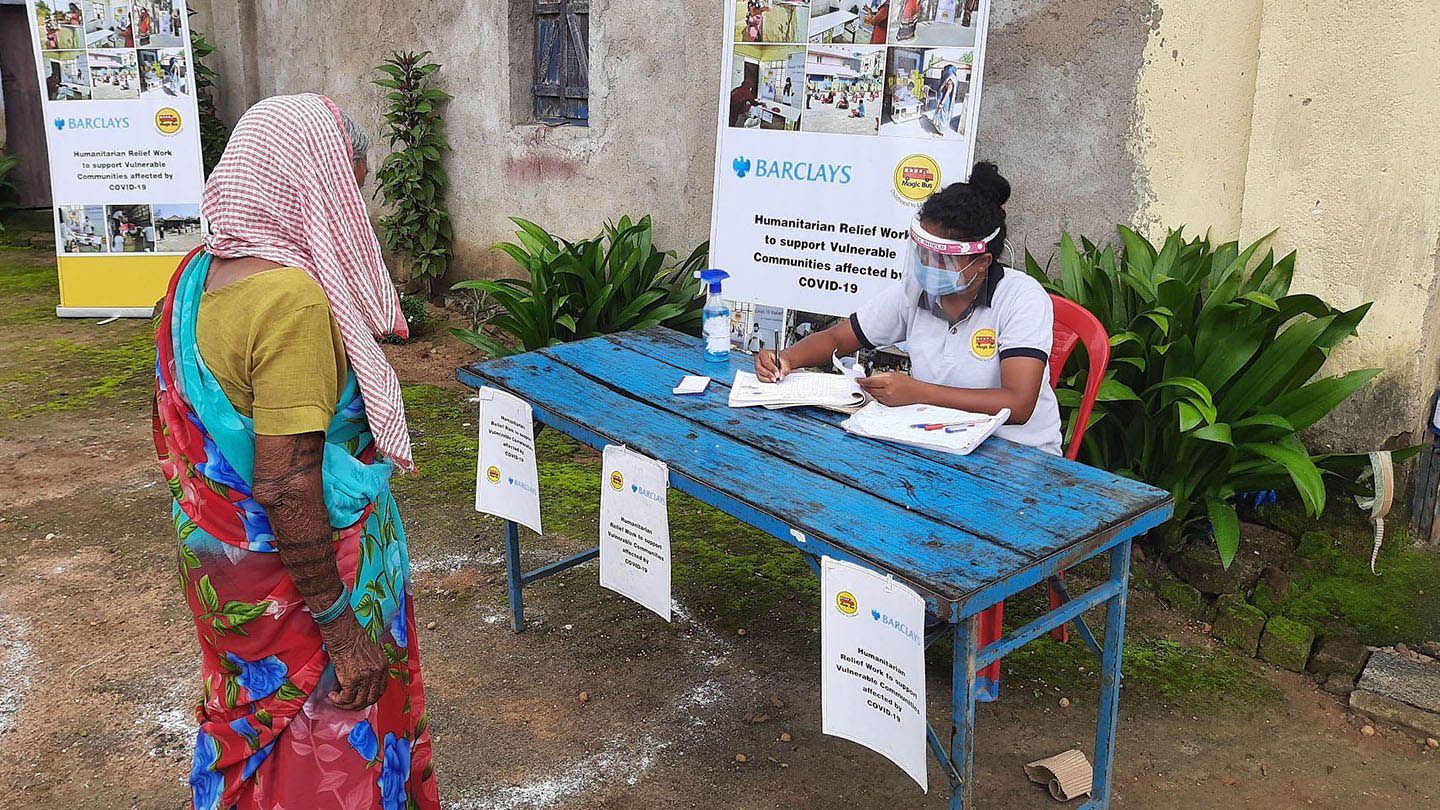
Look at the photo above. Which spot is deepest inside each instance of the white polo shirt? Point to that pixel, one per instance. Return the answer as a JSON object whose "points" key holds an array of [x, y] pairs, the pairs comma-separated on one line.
{"points": [[1011, 317]]}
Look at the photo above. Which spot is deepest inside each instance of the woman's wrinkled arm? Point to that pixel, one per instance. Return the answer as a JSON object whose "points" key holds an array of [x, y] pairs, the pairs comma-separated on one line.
{"points": [[290, 485]]}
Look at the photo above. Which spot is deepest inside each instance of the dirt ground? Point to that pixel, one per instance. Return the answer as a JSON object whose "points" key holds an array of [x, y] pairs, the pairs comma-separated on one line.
{"points": [[98, 663]]}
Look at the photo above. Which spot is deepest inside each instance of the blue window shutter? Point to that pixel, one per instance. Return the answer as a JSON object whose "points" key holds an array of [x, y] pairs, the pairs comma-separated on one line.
{"points": [[562, 61]]}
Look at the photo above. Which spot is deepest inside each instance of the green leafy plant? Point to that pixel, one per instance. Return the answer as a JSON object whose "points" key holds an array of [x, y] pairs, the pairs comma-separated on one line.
{"points": [[213, 132], [1210, 374], [417, 317], [412, 178], [614, 282]]}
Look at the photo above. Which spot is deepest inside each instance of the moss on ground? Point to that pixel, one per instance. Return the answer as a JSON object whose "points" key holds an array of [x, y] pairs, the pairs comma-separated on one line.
{"points": [[52, 366], [1154, 668], [1337, 593], [444, 449], [29, 287]]}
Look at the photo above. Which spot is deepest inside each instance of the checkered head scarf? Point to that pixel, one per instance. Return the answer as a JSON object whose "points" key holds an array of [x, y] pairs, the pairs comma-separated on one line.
{"points": [[285, 191]]}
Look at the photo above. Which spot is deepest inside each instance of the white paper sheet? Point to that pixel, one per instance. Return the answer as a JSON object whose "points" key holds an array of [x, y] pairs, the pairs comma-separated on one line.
{"points": [[798, 388], [691, 384], [635, 528], [854, 370], [963, 431], [506, 484], [872, 655]]}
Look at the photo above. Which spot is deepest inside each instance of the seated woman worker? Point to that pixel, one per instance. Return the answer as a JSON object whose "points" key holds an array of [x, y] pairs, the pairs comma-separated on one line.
{"points": [[978, 333]]}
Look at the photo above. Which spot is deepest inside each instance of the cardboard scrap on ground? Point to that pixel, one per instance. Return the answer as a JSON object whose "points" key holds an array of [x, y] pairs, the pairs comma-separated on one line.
{"points": [[1068, 775]]}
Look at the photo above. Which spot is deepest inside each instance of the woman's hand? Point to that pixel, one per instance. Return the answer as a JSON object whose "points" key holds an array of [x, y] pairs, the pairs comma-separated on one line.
{"points": [[771, 367], [893, 388], [360, 664]]}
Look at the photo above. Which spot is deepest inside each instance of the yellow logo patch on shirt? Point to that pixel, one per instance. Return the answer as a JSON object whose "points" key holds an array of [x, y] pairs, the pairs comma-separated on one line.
{"points": [[983, 343]]}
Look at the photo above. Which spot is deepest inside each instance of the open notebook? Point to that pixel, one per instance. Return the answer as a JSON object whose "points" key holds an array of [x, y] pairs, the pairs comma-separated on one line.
{"points": [[798, 388], [821, 389], [960, 431]]}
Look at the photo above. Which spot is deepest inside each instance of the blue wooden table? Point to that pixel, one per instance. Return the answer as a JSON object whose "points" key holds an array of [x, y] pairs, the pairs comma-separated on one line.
{"points": [[964, 532]]}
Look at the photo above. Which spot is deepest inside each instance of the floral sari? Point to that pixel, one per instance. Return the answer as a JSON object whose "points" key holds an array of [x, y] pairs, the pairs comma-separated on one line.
{"points": [[269, 736]]}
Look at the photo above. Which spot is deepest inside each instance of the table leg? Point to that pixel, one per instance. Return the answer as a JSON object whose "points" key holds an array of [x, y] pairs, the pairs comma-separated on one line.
{"points": [[1110, 680], [512, 568], [962, 717]]}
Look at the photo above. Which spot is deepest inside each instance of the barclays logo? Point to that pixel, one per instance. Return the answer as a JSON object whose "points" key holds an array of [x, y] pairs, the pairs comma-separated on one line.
{"points": [[642, 491], [93, 122], [896, 625], [801, 171]]}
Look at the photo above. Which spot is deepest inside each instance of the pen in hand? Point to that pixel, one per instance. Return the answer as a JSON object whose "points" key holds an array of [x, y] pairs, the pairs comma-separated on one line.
{"points": [[779, 367]]}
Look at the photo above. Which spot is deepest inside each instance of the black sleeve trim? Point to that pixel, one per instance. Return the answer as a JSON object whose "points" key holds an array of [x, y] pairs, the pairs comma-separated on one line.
{"points": [[1025, 351], [860, 333]]}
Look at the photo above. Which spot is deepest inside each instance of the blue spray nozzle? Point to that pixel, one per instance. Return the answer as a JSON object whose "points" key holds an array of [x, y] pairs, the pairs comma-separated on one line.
{"points": [[712, 278]]}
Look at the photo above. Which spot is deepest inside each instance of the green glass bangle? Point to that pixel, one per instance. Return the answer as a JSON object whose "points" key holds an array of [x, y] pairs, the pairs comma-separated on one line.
{"points": [[334, 612]]}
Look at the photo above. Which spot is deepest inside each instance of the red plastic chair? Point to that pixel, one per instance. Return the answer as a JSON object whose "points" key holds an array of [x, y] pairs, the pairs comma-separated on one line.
{"points": [[1073, 324]]}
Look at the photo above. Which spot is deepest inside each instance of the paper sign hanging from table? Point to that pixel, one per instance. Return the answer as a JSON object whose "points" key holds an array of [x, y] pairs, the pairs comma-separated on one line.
{"points": [[833, 129], [872, 652], [506, 482], [635, 528], [122, 127]]}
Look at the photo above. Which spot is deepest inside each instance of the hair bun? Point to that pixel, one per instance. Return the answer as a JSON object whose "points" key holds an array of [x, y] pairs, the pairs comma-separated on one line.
{"points": [[985, 178]]}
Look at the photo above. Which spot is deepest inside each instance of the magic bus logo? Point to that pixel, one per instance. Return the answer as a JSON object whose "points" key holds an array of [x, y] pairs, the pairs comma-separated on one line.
{"points": [[916, 178], [93, 122], [167, 120], [799, 171]]}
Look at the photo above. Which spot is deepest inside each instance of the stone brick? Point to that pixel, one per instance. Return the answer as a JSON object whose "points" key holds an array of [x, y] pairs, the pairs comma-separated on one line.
{"points": [[1199, 565], [1338, 684], [1271, 588], [1238, 623], [1402, 690], [1286, 643], [1344, 655], [1260, 548], [1183, 598]]}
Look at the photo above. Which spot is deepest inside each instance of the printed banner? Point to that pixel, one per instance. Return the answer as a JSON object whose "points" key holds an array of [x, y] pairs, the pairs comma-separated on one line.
{"points": [[506, 482], [872, 655], [123, 131], [635, 529], [838, 118]]}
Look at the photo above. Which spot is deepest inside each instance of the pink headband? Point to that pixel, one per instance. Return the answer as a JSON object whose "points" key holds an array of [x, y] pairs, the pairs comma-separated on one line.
{"points": [[948, 247]]}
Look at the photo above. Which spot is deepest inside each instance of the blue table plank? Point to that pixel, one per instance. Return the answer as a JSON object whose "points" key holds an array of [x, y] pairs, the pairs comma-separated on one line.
{"points": [[934, 557], [1022, 470], [1017, 522]]}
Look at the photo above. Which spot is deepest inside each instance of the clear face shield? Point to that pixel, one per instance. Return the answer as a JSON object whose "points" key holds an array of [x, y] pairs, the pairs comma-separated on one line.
{"points": [[943, 266]]}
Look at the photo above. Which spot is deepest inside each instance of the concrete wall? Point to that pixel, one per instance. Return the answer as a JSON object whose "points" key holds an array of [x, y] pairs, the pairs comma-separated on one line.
{"points": [[1317, 119], [650, 148], [1313, 118]]}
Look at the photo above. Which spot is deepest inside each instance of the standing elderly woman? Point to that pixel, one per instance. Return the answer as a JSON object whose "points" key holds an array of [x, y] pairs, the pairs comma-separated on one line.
{"points": [[278, 422]]}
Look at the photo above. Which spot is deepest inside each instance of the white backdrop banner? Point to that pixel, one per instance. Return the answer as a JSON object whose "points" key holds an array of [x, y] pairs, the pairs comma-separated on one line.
{"points": [[122, 126], [834, 126]]}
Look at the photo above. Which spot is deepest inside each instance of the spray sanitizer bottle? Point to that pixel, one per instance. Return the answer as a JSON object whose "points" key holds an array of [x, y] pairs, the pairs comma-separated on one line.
{"points": [[716, 324]]}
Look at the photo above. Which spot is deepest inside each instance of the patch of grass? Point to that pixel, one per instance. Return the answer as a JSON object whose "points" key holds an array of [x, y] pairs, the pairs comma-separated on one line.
{"points": [[737, 572], [28, 285], [58, 375], [444, 450], [1155, 668]]}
